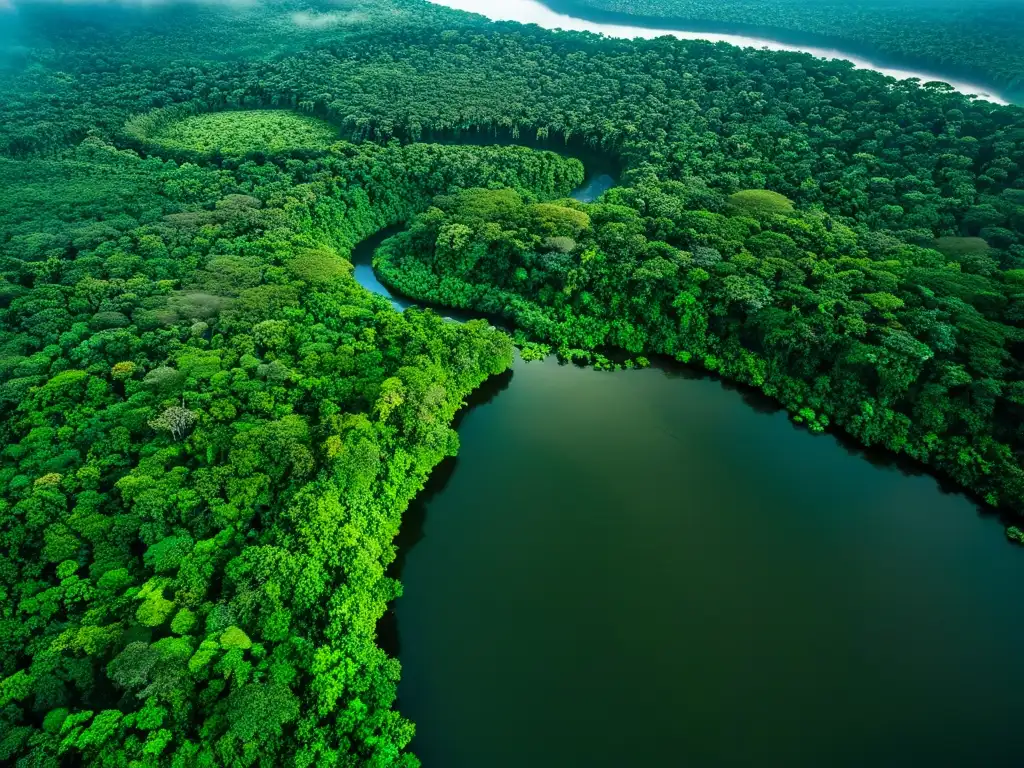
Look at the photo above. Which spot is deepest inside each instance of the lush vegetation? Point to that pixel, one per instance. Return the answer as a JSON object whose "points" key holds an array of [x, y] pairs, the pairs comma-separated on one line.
{"points": [[210, 435], [899, 344], [245, 132], [981, 39], [210, 431]]}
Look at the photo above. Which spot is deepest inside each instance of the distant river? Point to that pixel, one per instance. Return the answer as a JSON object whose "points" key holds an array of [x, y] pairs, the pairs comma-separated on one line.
{"points": [[652, 568], [534, 12]]}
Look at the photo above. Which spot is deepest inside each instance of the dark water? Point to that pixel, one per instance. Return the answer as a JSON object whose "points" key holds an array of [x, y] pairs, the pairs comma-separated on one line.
{"points": [[595, 186], [642, 569], [649, 568]]}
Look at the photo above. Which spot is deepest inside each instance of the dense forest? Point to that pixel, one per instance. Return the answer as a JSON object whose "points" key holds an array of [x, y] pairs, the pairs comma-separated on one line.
{"points": [[842, 326], [981, 39], [210, 431]]}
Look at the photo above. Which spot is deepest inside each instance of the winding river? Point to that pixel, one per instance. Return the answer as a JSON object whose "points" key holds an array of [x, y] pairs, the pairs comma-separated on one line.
{"points": [[535, 12], [653, 568]]}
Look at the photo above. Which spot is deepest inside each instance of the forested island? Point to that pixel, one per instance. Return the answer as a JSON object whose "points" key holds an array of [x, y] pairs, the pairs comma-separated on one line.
{"points": [[210, 431]]}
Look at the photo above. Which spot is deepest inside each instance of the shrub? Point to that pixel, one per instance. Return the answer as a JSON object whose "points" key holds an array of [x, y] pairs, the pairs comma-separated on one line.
{"points": [[760, 201]]}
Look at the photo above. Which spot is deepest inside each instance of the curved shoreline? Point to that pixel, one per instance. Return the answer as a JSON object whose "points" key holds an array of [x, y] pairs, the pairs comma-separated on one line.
{"points": [[596, 181], [535, 12]]}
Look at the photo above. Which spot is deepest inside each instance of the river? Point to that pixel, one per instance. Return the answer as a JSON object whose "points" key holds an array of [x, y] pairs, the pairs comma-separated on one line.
{"points": [[599, 179], [653, 568], [535, 12]]}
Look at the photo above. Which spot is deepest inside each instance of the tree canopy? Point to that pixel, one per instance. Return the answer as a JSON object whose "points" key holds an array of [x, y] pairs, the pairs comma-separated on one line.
{"points": [[979, 39], [210, 430]]}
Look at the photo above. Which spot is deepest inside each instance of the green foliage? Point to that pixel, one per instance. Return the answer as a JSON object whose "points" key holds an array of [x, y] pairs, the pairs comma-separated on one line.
{"points": [[817, 314], [261, 709], [981, 37], [210, 431], [184, 622], [531, 350], [318, 267], [233, 637], [241, 132], [961, 246], [760, 201], [170, 512], [884, 301]]}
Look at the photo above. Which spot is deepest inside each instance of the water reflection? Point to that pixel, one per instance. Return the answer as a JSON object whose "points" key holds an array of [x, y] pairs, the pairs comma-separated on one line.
{"points": [[640, 553], [362, 262], [414, 518]]}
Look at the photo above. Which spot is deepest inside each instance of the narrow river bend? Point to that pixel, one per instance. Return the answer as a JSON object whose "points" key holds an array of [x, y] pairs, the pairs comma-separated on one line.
{"points": [[652, 568]]}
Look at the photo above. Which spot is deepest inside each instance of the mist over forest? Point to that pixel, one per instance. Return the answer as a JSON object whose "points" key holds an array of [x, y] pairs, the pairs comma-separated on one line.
{"points": [[263, 266]]}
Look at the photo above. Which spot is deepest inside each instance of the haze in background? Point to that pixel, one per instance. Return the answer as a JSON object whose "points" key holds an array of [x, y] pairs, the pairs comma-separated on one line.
{"points": [[533, 12]]}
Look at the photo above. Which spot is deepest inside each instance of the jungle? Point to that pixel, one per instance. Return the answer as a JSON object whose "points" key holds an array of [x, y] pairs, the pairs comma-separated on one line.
{"points": [[211, 431]]}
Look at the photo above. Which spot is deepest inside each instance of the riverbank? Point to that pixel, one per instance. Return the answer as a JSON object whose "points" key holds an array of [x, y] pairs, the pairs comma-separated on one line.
{"points": [[534, 12], [601, 175], [782, 619]]}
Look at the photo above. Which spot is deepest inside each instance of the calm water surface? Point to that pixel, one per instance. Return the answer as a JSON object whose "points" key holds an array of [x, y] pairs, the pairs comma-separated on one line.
{"points": [[362, 262], [649, 568], [643, 569]]}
